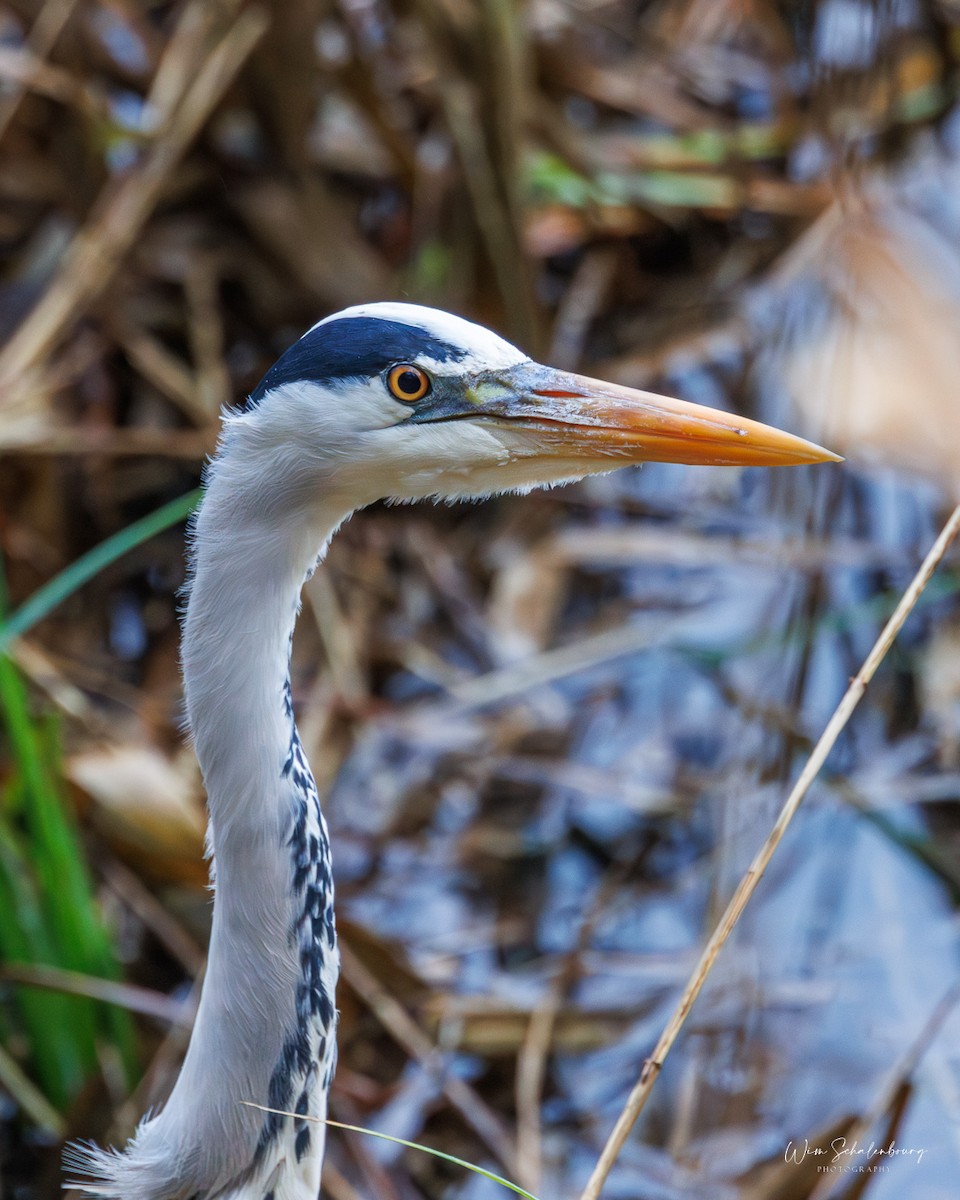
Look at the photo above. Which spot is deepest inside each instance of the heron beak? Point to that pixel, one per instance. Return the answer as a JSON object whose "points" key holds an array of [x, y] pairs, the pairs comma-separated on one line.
{"points": [[569, 412]]}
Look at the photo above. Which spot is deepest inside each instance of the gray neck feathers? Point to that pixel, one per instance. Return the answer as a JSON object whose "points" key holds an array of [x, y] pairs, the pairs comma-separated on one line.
{"points": [[264, 1027]]}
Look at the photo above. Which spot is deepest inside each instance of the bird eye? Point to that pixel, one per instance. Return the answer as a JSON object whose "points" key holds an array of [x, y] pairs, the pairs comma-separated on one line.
{"points": [[408, 382]]}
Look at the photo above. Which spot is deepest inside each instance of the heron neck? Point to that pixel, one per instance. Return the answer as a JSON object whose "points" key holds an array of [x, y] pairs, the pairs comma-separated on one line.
{"points": [[244, 602], [263, 1031]]}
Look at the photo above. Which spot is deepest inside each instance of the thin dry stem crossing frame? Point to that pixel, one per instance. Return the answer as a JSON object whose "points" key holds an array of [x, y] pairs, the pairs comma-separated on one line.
{"points": [[748, 884]]}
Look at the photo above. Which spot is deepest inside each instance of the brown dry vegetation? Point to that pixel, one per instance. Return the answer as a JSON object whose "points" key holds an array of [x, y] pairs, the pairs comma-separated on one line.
{"points": [[551, 733]]}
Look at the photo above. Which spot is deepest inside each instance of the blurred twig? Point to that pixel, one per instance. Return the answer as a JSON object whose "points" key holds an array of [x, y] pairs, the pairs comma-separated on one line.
{"points": [[124, 995], [748, 884], [886, 1100], [534, 1052], [55, 590], [97, 250], [25, 1092], [418, 1045], [189, 444], [43, 36], [161, 923]]}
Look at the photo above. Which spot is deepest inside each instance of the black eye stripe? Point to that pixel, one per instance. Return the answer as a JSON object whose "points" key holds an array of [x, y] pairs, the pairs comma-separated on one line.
{"points": [[354, 348]]}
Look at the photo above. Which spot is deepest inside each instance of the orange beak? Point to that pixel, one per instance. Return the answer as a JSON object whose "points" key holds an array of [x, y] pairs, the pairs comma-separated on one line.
{"points": [[652, 428], [574, 416]]}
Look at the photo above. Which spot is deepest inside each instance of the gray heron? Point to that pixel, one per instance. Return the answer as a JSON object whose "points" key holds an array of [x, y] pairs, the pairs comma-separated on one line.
{"points": [[382, 401]]}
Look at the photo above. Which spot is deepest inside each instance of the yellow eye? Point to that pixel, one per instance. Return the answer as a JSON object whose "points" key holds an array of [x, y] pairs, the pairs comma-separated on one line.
{"points": [[408, 383]]}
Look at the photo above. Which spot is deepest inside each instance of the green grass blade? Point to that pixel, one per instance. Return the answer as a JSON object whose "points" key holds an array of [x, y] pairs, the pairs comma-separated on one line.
{"points": [[72, 896], [386, 1137], [450, 1158], [58, 864], [50, 914], [60, 1061], [57, 589]]}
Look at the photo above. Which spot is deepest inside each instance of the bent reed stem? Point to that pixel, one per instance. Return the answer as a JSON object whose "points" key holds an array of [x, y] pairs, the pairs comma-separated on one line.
{"points": [[748, 884]]}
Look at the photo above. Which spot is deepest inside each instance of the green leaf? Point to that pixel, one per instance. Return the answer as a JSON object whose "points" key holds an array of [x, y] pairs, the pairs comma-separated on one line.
{"points": [[57, 589], [48, 909]]}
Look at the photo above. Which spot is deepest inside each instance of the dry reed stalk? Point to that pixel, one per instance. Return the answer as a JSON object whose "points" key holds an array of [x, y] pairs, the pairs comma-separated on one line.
{"points": [[29, 1097], [98, 249], [538, 1041], [124, 995], [164, 369], [31, 74], [189, 444], [43, 36], [748, 884]]}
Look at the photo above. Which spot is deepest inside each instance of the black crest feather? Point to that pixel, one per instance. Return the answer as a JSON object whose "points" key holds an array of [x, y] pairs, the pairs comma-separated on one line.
{"points": [[353, 347]]}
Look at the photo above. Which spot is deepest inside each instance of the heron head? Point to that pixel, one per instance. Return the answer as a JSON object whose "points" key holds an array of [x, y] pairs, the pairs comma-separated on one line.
{"points": [[400, 401]]}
